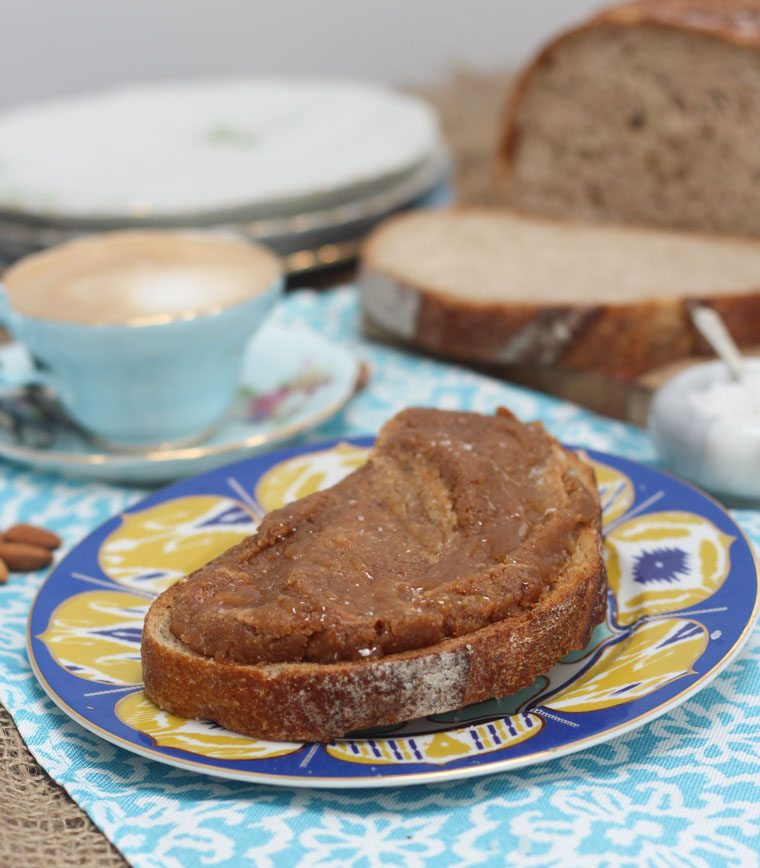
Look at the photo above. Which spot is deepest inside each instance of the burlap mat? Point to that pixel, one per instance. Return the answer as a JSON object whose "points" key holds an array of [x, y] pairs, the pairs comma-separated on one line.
{"points": [[472, 107], [39, 824]]}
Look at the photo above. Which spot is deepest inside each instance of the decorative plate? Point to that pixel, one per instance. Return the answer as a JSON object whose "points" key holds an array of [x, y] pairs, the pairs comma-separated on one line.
{"points": [[306, 241], [684, 594], [209, 150], [292, 380]]}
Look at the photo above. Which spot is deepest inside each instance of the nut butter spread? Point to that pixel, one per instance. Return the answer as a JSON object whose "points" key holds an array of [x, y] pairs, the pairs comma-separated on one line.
{"points": [[457, 520]]}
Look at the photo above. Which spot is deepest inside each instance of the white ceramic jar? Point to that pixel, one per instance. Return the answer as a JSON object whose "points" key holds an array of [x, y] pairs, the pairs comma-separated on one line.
{"points": [[706, 426]]}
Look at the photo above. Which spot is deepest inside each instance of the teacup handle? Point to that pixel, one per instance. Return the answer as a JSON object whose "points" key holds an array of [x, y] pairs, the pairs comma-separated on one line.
{"points": [[6, 314], [17, 368]]}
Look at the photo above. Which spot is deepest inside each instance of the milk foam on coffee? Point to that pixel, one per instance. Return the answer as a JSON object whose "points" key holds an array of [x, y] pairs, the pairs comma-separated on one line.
{"points": [[135, 276]]}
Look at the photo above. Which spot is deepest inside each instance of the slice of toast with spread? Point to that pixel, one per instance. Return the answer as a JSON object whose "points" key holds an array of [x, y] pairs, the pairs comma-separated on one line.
{"points": [[463, 560]]}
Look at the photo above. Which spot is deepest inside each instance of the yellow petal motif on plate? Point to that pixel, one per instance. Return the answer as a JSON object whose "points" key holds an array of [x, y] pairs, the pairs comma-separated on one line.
{"points": [[616, 491], [96, 636], [295, 478], [153, 548], [195, 736], [441, 747], [663, 562], [651, 656]]}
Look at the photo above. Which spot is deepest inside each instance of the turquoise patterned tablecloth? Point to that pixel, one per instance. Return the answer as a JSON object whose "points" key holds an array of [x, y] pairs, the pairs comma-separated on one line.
{"points": [[682, 791]]}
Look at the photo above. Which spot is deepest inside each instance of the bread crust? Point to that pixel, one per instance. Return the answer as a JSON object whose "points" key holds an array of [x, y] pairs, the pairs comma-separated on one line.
{"points": [[734, 21], [617, 340], [320, 702]]}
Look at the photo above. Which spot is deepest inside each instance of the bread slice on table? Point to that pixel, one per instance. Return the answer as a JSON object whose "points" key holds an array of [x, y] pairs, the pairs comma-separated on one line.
{"points": [[461, 562], [649, 113], [496, 287]]}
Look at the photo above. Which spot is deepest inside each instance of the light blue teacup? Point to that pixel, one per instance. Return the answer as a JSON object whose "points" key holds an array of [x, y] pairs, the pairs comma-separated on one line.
{"points": [[140, 334]]}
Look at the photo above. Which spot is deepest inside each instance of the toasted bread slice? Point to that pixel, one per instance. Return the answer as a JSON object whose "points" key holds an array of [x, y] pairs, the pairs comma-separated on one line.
{"points": [[208, 641], [500, 288]]}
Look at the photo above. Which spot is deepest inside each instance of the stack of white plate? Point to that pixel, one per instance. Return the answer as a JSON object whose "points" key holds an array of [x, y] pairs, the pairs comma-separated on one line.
{"points": [[307, 167]]}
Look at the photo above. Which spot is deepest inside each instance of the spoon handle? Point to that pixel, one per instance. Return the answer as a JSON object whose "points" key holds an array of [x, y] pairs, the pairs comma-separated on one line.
{"points": [[712, 328]]}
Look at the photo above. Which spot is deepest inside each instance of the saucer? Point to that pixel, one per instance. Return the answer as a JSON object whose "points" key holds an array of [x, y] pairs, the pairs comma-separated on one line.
{"points": [[292, 381]]}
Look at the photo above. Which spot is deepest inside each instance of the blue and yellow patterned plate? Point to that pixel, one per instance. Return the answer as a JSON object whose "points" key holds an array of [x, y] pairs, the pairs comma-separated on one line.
{"points": [[684, 594]]}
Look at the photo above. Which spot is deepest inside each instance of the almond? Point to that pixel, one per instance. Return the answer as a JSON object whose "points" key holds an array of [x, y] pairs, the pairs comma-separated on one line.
{"points": [[31, 535], [22, 558], [3, 573]]}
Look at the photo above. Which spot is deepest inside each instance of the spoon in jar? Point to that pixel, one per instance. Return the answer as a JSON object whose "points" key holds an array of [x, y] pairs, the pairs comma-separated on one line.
{"points": [[712, 328]]}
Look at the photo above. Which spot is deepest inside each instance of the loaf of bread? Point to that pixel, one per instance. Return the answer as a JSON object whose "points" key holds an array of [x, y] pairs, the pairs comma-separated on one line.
{"points": [[495, 287], [649, 114], [462, 561]]}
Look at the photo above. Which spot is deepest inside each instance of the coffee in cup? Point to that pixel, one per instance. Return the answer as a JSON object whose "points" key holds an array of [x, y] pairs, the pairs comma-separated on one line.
{"points": [[139, 277], [142, 333]]}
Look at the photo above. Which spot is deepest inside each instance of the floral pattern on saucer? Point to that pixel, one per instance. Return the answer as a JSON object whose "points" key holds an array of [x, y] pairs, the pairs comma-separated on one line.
{"points": [[292, 381]]}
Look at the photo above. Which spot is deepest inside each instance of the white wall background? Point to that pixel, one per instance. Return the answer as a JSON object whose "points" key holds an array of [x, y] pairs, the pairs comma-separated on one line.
{"points": [[51, 47]]}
